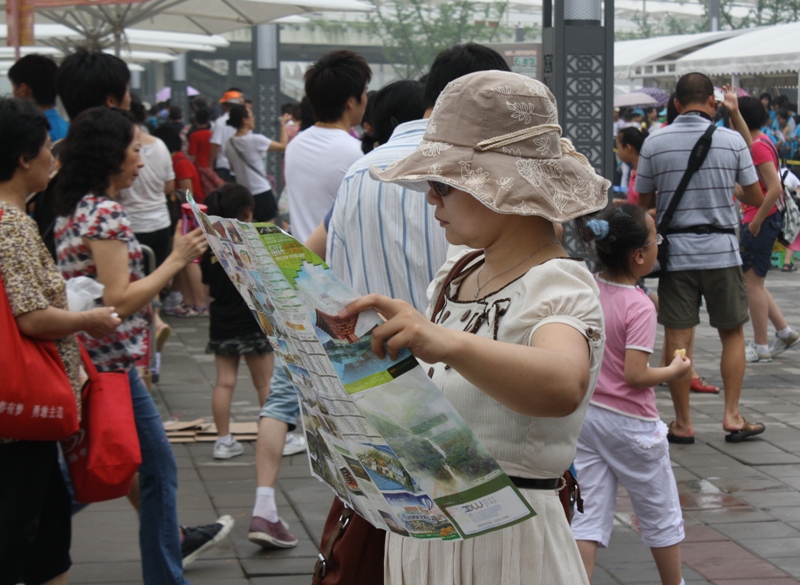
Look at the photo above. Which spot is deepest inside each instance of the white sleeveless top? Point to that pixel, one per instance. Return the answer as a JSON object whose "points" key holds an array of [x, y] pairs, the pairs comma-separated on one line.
{"points": [[558, 291]]}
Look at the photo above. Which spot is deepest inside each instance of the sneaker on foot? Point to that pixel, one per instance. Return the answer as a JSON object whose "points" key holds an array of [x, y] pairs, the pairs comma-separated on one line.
{"points": [[754, 356], [268, 534], [198, 539], [223, 451], [294, 444], [782, 345]]}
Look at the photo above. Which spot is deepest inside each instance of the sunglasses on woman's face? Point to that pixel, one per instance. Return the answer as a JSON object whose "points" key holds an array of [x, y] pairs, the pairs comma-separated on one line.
{"points": [[440, 189]]}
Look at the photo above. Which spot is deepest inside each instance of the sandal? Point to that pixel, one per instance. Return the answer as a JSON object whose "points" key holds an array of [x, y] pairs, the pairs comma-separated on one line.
{"points": [[675, 439], [181, 310], [748, 430], [789, 268]]}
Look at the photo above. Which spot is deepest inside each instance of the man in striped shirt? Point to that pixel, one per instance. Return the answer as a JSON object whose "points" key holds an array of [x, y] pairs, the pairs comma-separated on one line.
{"points": [[383, 238], [703, 257]]}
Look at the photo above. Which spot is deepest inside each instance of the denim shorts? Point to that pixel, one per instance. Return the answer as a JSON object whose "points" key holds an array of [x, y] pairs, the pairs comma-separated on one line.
{"points": [[282, 401], [756, 251]]}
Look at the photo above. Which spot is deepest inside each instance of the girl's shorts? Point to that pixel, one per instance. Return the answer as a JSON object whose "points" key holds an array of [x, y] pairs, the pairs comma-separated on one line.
{"points": [[250, 344], [614, 448]]}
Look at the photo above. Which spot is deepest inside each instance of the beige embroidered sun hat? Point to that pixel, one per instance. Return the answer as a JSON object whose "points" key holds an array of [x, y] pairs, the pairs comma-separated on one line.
{"points": [[495, 135]]}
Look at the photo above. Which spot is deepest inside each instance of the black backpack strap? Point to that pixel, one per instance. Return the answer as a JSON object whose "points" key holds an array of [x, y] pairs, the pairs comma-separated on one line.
{"points": [[696, 159]]}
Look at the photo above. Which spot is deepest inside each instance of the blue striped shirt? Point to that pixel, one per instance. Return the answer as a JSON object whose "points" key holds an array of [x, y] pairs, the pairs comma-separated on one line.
{"points": [[383, 238]]}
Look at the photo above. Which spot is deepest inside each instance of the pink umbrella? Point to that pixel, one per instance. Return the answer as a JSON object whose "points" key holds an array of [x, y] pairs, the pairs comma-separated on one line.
{"points": [[166, 93]]}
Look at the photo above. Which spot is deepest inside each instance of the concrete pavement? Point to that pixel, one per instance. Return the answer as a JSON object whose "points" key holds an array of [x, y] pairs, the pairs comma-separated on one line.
{"points": [[741, 502]]}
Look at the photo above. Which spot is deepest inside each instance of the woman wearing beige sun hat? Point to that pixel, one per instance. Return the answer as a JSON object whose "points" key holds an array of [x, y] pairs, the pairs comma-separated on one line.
{"points": [[517, 344]]}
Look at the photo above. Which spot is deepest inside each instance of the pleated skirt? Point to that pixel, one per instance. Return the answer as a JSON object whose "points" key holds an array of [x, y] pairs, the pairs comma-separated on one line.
{"points": [[540, 551]]}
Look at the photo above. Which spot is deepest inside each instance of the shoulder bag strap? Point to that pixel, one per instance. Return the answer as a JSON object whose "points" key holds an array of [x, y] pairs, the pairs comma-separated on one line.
{"points": [[455, 271], [260, 173], [699, 153]]}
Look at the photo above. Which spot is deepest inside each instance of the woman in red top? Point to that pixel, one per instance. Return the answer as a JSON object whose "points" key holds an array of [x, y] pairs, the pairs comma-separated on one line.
{"points": [[760, 228], [186, 175], [188, 281]]}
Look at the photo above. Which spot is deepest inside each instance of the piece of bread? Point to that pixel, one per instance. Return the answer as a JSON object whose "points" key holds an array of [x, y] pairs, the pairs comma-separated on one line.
{"points": [[680, 352]]}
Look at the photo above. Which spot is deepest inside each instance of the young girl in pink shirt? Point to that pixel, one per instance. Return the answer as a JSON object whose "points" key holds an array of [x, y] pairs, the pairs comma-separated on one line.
{"points": [[622, 438]]}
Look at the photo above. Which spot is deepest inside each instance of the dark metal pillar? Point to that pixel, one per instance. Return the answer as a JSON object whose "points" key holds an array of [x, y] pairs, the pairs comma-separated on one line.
{"points": [[579, 69], [178, 85], [266, 90]]}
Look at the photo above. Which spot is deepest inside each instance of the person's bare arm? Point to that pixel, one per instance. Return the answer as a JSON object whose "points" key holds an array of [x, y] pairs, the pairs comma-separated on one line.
{"points": [[51, 323], [647, 200], [317, 242], [280, 146], [212, 154], [773, 183], [750, 195], [731, 104], [548, 378], [169, 187], [113, 272], [639, 374], [185, 185]]}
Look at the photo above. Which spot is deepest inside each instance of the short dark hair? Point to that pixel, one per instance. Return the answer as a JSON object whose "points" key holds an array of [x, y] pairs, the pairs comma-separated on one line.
{"points": [[627, 231], [170, 137], [632, 136], [694, 88], [332, 80], [86, 79], [672, 110], [94, 150], [137, 109], [287, 107], [753, 112], [237, 116], [175, 113], [398, 102], [202, 116], [783, 114], [307, 118], [39, 74], [24, 130], [765, 95], [231, 201], [457, 61]]}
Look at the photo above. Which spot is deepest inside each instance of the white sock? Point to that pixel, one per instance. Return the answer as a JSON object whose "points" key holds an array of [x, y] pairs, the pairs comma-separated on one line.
{"points": [[225, 440], [265, 504], [785, 333], [762, 348]]}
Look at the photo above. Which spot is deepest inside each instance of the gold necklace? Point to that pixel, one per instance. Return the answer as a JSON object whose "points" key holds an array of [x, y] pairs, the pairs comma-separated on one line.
{"points": [[329, 125], [478, 278]]}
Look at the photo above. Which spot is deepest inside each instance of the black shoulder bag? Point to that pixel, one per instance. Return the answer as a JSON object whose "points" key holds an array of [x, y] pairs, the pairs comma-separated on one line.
{"points": [[696, 159]]}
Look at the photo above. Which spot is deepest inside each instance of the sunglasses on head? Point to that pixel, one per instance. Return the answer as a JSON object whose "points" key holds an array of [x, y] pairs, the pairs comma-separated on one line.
{"points": [[440, 189]]}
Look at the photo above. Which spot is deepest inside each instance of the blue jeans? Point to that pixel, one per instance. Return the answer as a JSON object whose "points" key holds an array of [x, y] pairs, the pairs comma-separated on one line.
{"points": [[159, 537]]}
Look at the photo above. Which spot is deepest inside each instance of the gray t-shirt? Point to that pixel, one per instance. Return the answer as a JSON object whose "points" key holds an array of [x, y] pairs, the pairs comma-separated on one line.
{"points": [[708, 199]]}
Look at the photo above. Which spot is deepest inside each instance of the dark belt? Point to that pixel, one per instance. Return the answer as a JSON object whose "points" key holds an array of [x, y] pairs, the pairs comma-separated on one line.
{"points": [[526, 483], [701, 229]]}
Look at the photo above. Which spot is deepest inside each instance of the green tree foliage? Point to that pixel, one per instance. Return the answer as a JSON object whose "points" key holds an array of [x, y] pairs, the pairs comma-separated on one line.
{"points": [[765, 12], [413, 32]]}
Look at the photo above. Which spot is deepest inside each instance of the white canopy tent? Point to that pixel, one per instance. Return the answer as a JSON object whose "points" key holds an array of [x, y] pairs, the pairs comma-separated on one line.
{"points": [[60, 36], [762, 51], [657, 56]]}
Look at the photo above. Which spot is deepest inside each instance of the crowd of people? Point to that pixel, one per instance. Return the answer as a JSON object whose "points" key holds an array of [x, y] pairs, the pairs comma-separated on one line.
{"points": [[424, 191]]}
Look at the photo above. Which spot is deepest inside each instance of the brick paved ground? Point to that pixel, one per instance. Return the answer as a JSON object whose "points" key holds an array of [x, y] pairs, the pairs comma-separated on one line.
{"points": [[741, 502]]}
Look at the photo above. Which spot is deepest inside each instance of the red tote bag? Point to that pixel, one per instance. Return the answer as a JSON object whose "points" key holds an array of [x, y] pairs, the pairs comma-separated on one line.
{"points": [[36, 399], [104, 454]]}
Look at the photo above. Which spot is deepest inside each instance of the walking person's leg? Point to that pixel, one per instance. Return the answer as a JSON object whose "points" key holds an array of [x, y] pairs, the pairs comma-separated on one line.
{"points": [[728, 314], [679, 388], [159, 535], [225, 446], [278, 416], [261, 369]]}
